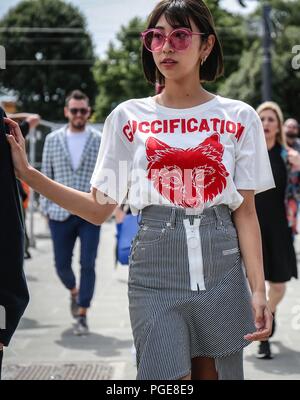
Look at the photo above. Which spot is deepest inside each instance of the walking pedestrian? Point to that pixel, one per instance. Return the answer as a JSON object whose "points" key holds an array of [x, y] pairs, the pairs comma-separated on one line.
{"points": [[69, 157], [189, 162], [291, 134], [280, 264]]}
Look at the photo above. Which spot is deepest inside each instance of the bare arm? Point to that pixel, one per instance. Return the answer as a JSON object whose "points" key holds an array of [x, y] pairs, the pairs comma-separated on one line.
{"points": [[94, 207], [246, 222]]}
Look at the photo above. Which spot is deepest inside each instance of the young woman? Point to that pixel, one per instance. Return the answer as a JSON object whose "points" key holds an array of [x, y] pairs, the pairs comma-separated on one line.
{"points": [[280, 262], [189, 162]]}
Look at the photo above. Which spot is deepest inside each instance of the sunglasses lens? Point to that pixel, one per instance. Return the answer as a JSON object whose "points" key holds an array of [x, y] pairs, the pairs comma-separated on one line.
{"points": [[75, 111], [180, 39], [154, 40]]}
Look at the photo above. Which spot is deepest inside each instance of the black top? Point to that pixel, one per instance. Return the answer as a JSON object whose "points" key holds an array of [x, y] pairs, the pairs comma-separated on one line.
{"points": [[13, 289], [279, 255]]}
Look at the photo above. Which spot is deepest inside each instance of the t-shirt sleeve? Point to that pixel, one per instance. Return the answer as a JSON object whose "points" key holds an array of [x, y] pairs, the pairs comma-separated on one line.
{"points": [[112, 171], [252, 164]]}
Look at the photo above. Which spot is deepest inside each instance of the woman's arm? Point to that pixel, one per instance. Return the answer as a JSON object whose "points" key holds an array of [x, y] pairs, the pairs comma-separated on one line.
{"points": [[94, 207], [246, 222]]}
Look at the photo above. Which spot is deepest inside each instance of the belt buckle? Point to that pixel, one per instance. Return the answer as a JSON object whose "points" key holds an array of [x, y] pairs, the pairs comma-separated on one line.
{"points": [[194, 211]]}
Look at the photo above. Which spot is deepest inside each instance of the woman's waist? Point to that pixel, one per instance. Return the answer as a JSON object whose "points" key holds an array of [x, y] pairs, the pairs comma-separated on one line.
{"points": [[178, 215]]}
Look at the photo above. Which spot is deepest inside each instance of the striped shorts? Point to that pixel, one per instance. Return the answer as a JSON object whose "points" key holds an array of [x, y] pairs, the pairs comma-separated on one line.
{"points": [[188, 294]]}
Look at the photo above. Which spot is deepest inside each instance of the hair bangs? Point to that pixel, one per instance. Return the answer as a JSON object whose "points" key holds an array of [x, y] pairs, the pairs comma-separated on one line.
{"points": [[177, 15]]}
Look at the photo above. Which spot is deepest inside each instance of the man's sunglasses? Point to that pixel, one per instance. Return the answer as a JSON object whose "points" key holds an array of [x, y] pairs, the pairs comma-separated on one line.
{"points": [[75, 111], [180, 39]]}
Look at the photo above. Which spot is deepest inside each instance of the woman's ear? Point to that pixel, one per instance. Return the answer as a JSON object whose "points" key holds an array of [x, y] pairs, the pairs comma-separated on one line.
{"points": [[208, 46]]}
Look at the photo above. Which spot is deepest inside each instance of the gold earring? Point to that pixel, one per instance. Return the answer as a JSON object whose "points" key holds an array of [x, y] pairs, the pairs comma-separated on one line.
{"points": [[203, 61]]}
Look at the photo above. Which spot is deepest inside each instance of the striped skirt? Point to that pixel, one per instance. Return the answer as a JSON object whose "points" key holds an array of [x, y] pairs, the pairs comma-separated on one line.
{"points": [[188, 294]]}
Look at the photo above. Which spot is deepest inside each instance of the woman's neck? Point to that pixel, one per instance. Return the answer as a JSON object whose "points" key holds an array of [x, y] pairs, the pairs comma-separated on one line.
{"points": [[271, 143], [179, 95]]}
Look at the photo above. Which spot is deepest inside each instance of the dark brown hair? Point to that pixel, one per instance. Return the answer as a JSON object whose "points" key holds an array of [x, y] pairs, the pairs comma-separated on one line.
{"points": [[179, 13], [77, 95]]}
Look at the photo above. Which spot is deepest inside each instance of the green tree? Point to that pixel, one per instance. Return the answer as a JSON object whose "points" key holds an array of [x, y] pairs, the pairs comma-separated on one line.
{"points": [[119, 74], [49, 53], [245, 84], [232, 31]]}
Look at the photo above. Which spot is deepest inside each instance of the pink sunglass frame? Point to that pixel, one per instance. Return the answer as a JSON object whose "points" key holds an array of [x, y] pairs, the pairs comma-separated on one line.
{"points": [[167, 37]]}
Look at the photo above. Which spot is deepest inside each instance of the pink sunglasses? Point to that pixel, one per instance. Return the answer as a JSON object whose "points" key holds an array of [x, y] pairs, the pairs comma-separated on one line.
{"points": [[180, 39]]}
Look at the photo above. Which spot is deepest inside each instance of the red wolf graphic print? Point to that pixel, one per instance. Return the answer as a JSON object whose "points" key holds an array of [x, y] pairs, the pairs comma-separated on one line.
{"points": [[188, 178]]}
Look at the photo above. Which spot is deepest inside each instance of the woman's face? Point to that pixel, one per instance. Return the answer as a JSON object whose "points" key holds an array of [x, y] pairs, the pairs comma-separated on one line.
{"points": [[178, 64], [270, 124]]}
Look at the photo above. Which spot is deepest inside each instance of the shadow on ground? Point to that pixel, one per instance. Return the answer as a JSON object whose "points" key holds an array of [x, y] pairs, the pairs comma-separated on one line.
{"points": [[27, 323], [286, 362], [101, 346]]}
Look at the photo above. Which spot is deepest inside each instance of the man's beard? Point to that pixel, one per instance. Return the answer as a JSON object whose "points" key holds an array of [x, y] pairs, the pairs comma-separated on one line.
{"points": [[78, 126], [291, 136]]}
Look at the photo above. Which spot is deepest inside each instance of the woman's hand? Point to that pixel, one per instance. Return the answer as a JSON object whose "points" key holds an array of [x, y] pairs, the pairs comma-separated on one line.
{"points": [[263, 318], [18, 150]]}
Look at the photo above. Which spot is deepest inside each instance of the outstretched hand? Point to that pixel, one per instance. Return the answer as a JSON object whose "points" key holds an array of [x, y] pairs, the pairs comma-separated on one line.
{"points": [[263, 319], [17, 145]]}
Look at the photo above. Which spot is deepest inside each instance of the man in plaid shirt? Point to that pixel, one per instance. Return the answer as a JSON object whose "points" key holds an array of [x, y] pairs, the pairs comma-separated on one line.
{"points": [[69, 157]]}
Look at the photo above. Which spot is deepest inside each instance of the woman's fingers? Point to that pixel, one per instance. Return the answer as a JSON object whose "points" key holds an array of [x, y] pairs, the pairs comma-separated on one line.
{"points": [[268, 320], [263, 332], [11, 140], [259, 316], [14, 129], [255, 336]]}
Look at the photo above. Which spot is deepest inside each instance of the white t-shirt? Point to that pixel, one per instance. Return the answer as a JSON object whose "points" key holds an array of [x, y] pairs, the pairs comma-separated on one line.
{"points": [[191, 158], [76, 143]]}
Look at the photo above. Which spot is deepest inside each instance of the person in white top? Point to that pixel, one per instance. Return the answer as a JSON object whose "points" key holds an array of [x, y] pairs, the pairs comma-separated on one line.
{"points": [[189, 163], [69, 157]]}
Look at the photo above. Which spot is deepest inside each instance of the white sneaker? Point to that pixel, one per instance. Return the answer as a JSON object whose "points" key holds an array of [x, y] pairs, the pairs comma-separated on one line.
{"points": [[81, 327]]}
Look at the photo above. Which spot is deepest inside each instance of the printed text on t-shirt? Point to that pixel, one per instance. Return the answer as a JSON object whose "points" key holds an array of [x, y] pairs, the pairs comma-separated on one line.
{"points": [[184, 126]]}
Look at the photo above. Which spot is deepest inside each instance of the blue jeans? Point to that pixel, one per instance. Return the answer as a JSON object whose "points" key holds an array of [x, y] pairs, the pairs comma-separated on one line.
{"points": [[64, 235]]}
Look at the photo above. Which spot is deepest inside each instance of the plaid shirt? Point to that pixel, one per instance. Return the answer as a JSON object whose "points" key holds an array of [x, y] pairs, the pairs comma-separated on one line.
{"points": [[57, 165]]}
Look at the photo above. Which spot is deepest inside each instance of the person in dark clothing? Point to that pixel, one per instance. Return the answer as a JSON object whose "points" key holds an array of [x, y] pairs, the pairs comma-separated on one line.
{"points": [[14, 295], [24, 198], [280, 262], [30, 121], [27, 122]]}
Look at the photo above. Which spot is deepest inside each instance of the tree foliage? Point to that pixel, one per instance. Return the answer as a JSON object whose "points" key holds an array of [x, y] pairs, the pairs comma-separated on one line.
{"points": [[119, 75], [245, 83], [58, 54]]}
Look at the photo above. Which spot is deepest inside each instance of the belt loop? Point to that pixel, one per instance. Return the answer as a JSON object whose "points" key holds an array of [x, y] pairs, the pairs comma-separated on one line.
{"points": [[172, 220], [139, 217], [219, 219]]}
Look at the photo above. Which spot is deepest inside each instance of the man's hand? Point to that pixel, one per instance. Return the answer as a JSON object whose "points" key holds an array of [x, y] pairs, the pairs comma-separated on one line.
{"points": [[33, 120], [294, 159]]}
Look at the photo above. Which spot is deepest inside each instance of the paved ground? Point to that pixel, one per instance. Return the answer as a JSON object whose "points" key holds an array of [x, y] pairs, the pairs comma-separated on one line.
{"points": [[45, 339]]}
